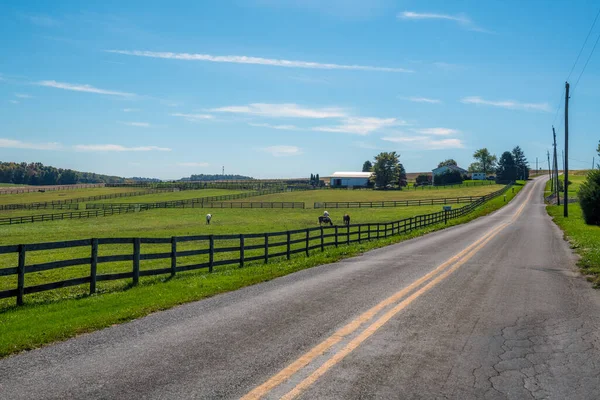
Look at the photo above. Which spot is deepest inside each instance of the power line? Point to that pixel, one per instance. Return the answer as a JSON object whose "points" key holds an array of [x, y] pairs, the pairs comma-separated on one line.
{"points": [[584, 43], [586, 63]]}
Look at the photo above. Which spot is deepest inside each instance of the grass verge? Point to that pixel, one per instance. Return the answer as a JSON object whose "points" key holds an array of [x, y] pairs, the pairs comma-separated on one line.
{"points": [[32, 326], [585, 239]]}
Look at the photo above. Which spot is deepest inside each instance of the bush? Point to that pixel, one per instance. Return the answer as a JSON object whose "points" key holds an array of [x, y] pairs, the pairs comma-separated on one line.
{"points": [[448, 178], [589, 198], [423, 179]]}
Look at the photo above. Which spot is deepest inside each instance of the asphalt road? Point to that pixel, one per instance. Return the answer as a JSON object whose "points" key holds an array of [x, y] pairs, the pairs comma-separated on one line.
{"points": [[491, 309]]}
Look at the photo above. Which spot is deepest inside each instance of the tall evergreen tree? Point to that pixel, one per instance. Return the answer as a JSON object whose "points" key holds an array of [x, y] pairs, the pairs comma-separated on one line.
{"points": [[367, 166], [507, 169], [521, 163]]}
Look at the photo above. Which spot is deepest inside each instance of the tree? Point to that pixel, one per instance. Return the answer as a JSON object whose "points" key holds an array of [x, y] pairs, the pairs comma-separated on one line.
{"points": [[423, 179], [387, 169], [402, 181], [486, 160], [475, 167], [507, 169], [589, 197], [449, 161], [367, 166], [521, 163], [448, 178]]}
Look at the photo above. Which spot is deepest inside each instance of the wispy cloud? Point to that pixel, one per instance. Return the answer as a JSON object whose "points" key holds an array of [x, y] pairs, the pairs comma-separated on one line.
{"points": [[461, 19], [255, 60], [13, 101], [82, 88], [280, 127], [425, 143], [131, 110], [23, 96], [422, 100], [137, 124], [193, 117], [42, 20], [17, 144], [193, 164], [510, 104], [116, 147], [285, 110], [361, 125], [436, 131], [283, 151]]}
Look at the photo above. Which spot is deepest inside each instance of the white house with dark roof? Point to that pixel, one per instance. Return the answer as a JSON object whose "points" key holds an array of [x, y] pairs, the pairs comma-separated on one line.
{"points": [[350, 179], [446, 168]]}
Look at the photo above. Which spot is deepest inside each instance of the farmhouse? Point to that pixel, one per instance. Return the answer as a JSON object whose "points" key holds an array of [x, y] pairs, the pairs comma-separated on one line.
{"points": [[350, 179], [446, 168]]}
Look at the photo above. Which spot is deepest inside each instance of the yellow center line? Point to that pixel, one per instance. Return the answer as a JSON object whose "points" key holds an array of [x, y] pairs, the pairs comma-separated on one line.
{"points": [[351, 327]]}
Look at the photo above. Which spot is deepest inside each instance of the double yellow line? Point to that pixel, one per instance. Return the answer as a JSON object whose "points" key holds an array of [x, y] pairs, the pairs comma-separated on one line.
{"points": [[431, 279]]}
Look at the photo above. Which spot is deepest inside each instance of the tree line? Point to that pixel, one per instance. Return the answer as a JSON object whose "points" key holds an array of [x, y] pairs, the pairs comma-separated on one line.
{"points": [[40, 174], [217, 177]]}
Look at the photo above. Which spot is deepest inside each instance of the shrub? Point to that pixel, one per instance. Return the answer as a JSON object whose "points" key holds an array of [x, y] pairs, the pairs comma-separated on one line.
{"points": [[589, 198], [422, 179], [448, 178]]}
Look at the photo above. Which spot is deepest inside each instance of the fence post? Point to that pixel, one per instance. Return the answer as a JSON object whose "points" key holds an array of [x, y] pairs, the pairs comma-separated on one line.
{"points": [[347, 234], [136, 261], [307, 240], [336, 236], [369, 234], [266, 248], [173, 255], [21, 275], [211, 252], [359, 232], [288, 254], [322, 244], [93, 266], [241, 250]]}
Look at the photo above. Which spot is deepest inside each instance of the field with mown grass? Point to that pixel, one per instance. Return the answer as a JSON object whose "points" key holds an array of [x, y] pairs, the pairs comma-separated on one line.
{"points": [[585, 239], [37, 197], [63, 313]]}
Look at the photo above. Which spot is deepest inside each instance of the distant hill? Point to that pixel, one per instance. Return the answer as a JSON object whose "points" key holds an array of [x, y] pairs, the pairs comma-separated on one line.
{"points": [[216, 177], [40, 174]]}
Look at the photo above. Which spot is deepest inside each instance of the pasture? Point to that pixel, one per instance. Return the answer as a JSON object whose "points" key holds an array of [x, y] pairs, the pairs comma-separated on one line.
{"points": [[165, 223]]}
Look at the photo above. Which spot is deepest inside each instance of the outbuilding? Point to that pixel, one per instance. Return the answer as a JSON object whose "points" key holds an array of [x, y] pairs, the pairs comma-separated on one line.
{"points": [[350, 179], [478, 176]]}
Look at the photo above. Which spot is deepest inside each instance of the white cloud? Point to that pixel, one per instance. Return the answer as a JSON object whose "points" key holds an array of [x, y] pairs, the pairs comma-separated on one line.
{"points": [[510, 104], [283, 151], [254, 60], [13, 101], [422, 100], [284, 110], [436, 131], [426, 143], [17, 144], [116, 147], [23, 96], [361, 125], [131, 110], [82, 88], [193, 164], [461, 19], [137, 124], [280, 127], [193, 117]]}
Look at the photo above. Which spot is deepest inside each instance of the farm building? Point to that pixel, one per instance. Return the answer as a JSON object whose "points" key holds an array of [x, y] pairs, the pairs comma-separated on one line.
{"points": [[445, 168], [478, 176], [350, 179]]}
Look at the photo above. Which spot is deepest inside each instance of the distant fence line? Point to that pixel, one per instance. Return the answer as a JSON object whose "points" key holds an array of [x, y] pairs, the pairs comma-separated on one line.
{"points": [[195, 202], [394, 203], [464, 184], [52, 188], [207, 204], [245, 185], [39, 206], [273, 245], [60, 216], [53, 203]]}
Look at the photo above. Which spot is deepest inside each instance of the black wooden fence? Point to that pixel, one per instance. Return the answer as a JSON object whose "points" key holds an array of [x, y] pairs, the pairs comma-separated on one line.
{"points": [[182, 203], [29, 189], [59, 216], [40, 206], [395, 203], [208, 204], [272, 245]]}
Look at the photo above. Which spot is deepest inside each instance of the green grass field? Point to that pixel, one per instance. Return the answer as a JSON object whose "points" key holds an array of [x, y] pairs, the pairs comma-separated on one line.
{"points": [[35, 197], [585, 239], [52, 317]]}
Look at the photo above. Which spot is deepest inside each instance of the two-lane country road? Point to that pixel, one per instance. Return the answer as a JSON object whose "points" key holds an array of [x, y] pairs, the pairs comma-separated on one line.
{"points": [[490, 309]]}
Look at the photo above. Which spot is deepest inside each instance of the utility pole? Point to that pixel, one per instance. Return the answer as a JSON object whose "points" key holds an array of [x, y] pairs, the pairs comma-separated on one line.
{"points": [[566, 196], [537, 171], [555, 166], [549, 173]]}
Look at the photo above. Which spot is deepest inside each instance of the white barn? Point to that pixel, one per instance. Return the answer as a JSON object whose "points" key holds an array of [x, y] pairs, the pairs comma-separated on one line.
{"points": [[350, 179]]}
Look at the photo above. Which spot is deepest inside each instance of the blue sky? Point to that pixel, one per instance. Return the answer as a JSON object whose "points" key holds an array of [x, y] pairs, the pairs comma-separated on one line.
{"points": [[285, 88]]}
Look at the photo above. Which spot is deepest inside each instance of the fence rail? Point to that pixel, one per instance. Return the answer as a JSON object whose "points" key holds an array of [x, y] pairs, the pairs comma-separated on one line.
{"points": [[395, 203], [29, 189], [272, 244], [182, 203], [208, 204], [59, 216], [40, 206]]}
